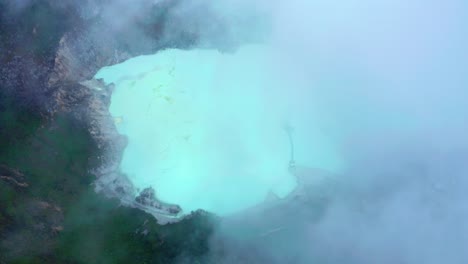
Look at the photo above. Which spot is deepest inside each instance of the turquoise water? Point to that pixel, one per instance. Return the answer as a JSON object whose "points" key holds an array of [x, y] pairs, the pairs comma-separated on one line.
{"points": [[206, 129]]}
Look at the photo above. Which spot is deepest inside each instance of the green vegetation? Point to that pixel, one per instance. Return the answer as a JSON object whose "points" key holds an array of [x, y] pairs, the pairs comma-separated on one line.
{"points": [[112, 234], [58, 218]]}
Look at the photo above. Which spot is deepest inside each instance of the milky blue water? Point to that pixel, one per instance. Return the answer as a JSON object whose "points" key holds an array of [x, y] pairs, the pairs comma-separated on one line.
{"points": [[207, 129]]}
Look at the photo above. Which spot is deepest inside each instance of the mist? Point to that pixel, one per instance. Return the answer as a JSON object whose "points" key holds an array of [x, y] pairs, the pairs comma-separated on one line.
{"points": [[385, 79], [384, 82]]}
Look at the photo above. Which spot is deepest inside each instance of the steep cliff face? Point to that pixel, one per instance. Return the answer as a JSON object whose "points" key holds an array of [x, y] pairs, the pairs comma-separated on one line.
{"points": [[45, 44], [53, 49], [56, 137], [58, 143]]}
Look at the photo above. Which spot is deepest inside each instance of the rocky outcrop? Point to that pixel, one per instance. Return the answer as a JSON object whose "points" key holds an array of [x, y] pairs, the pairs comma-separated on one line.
{"points": [[13, 177], [80, 56], [110, 181], [147, 197]]}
